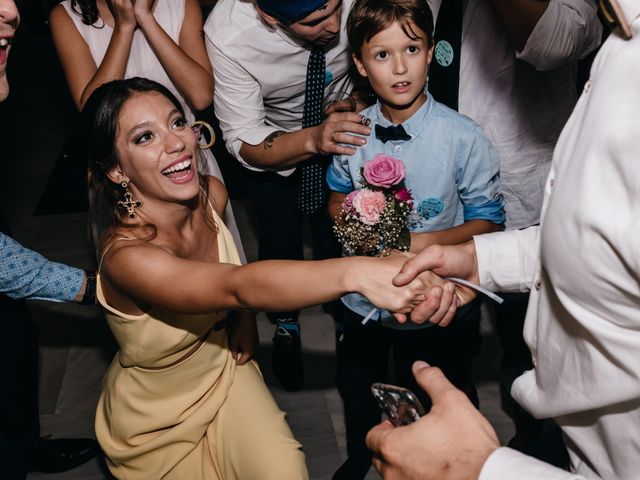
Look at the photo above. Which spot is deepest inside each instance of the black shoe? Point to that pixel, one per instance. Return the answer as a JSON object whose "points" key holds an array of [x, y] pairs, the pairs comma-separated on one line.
{"points": [[287, 358], [352, 469], [58, 455]]}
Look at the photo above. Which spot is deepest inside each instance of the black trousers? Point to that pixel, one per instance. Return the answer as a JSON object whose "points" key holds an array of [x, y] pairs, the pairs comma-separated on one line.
{"points": [[363, 358], [280, 223], [19, 413]]}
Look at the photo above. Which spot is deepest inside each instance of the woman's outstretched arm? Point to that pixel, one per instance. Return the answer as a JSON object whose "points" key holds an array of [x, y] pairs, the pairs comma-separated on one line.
{"points": [[151, 276]]}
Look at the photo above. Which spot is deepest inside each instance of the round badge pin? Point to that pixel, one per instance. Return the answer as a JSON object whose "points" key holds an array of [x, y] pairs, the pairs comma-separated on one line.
{"points": [[444, 53], [328, 77]]}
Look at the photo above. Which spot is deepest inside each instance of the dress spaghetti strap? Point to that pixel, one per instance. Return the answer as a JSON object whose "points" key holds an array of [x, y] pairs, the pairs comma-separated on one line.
{"points": [[108, 247]]}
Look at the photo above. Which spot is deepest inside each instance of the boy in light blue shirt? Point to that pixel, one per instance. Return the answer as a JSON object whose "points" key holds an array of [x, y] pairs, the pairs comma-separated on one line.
{"points": [[453, 175]]}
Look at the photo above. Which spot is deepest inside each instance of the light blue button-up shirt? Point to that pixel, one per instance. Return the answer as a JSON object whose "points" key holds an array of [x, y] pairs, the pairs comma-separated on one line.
{"points": [[452, 173], [27, 274]]}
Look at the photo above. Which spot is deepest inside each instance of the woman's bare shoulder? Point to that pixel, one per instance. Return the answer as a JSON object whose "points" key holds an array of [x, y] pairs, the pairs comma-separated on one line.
{"points": [[217, 194]]}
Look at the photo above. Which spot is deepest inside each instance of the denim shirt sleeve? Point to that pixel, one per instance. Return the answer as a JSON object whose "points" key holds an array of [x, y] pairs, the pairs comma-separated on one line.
{"points": [[478, 179], [27, 274], [339, 176]]}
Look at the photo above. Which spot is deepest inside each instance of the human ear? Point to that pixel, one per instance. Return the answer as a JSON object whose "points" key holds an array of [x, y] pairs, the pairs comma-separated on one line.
{"points": [[359, 65], [116, 175], [266, 18]]}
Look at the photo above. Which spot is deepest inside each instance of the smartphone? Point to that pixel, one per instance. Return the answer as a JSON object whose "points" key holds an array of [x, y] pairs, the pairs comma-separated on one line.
{"points": [[400, 405]]}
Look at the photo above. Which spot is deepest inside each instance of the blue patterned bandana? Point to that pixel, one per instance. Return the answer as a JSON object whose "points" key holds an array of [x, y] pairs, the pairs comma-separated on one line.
{"points": [[290, 11]]}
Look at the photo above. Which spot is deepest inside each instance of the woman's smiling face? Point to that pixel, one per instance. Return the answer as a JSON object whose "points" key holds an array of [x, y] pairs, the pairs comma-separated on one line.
{"points": [[156, 150]]}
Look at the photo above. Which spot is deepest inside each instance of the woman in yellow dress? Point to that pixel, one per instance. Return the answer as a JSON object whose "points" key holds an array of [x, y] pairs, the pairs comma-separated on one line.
{"points": [[182, 400]]}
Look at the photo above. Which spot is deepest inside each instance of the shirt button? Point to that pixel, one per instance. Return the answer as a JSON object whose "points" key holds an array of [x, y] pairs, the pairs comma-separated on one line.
{"points": [[538, 284], [551, 182], [397, 148]]}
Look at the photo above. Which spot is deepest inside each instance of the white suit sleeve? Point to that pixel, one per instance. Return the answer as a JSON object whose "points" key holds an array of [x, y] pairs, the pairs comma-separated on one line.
{"points": [[502, 464], [508, 261], [238, 105], [567, 31]]}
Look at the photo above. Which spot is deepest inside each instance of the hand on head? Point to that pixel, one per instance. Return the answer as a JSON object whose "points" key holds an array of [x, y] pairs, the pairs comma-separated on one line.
{"points": [[451, 442], [441, 299], [142, 7], [123, 14]]}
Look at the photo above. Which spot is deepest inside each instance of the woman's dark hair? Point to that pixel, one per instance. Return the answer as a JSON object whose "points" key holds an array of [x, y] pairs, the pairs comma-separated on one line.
{"points": [[87, 9], [99, 120]]}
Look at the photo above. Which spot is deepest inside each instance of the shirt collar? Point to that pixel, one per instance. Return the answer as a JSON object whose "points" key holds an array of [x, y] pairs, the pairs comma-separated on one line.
{"points": [[415, 124]]}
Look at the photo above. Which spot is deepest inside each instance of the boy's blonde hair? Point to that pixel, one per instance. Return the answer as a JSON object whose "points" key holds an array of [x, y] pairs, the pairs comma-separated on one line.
{"points": [[368, 17]]}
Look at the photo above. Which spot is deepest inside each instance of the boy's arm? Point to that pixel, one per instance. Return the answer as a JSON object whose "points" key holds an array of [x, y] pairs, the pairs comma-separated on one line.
{"points": [[340, 184], [452, 236], [334, 205], [478, 184]]}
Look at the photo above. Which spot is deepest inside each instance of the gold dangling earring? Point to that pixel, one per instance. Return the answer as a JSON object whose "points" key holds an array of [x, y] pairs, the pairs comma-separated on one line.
{"points": [[195, 126], [128, 203]]}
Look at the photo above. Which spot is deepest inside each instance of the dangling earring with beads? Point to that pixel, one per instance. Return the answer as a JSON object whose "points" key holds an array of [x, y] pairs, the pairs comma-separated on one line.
{"points": [[128, 203]]}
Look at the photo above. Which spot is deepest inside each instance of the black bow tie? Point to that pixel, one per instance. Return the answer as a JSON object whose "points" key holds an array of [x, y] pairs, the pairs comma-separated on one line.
{"points": [[394, 132]]}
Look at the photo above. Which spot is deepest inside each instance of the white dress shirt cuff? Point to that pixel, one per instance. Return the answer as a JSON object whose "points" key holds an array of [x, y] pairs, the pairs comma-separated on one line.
{"points": [[504, 462], [507, 261], [255, 136]]}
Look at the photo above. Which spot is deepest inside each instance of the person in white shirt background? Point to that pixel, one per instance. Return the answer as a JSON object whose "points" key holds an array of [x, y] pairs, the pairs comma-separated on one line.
{"points": [[582, 266], [260, 52], [517, 80]]}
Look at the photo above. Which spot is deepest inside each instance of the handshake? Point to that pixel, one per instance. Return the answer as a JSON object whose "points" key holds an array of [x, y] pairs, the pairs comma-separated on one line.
{"points": [[422, 291]]}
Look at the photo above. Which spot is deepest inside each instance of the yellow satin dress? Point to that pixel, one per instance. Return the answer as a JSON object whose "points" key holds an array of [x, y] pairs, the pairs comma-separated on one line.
{"points": [[175, 405]]}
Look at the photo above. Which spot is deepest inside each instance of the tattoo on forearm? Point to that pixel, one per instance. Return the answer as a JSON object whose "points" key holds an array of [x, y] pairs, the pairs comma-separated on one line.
{"points": [[268, 142]]}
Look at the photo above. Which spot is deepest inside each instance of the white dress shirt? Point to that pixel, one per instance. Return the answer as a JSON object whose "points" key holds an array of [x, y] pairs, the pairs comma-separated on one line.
{"points": [[522, 100], [583, 268], [260, 74]]}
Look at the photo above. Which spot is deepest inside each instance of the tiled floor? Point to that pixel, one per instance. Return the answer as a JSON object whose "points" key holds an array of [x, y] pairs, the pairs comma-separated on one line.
{"points": [[76, 345]]}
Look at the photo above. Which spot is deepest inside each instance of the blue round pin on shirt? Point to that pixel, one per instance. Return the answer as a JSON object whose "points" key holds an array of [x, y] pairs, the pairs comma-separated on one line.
{"points": [[444, 53], [328, 77]]}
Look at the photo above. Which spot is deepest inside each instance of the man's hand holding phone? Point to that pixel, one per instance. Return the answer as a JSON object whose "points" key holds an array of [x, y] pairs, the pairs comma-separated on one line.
{"points": [[451, 442]]}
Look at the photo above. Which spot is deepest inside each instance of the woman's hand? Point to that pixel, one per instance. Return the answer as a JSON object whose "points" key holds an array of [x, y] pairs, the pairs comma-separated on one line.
{"points": [[243, 337], [142, 9], [123, 14], [374, 277], [441, 303]]}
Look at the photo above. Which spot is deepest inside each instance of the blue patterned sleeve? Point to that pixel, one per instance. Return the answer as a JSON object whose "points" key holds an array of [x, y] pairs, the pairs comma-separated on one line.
{"points": [[27, 274], [338, 175], [478, 179]]}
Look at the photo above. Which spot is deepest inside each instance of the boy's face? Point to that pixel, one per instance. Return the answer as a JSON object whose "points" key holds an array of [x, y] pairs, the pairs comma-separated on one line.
{"points": [[397, 67]]}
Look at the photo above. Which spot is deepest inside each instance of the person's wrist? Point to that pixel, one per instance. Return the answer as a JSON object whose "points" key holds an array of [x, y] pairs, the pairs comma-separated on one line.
{"points": [[124, 28], [311, 144], [89, 297], [144, 18]]}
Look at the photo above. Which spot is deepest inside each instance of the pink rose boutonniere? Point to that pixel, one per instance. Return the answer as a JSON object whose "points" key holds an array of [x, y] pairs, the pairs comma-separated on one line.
{"points": [[373, 219]]}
